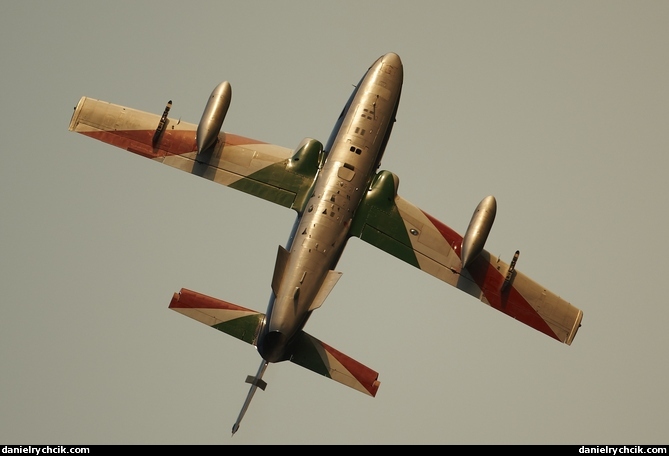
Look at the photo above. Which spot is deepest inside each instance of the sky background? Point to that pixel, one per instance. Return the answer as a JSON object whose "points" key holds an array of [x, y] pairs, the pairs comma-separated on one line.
{"points": [[559, 109]]}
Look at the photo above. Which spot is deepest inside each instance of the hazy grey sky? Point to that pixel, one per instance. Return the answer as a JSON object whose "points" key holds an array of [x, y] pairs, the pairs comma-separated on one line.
{"points": [[559, 109]]}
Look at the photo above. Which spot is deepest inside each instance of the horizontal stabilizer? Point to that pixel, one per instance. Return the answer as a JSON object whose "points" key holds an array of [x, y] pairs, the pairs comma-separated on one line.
{"points": [[305, 350], [242, 323], [311, 353]]}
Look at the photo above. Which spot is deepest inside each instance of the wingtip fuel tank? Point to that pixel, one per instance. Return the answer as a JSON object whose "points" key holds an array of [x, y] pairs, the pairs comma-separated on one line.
{"points": [[478, 230], [213, 116]]}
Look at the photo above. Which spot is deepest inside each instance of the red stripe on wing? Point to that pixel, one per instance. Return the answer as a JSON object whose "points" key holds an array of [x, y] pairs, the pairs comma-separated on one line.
{"points": [[490, 281], [366, 376], [172, 142]]}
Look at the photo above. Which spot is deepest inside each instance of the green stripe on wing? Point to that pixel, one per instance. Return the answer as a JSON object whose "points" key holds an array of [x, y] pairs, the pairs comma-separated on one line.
{"points": [[379, 222], [288, 183]]}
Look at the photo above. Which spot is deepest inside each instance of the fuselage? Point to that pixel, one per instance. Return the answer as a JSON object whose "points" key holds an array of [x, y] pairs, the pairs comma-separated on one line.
{"points": [[320, 232]]}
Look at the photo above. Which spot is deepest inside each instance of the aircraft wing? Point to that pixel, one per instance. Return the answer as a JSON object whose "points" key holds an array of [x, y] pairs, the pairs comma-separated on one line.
{"points": [[389, 222], [274, 173]]}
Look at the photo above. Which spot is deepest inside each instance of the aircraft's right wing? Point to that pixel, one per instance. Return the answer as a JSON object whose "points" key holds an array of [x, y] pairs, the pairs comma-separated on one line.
{"points": [[389, 222], [274, 173]]}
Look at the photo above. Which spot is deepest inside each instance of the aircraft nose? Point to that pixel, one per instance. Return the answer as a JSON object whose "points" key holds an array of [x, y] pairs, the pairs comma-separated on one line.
{"points": [[390, 64], [392, 59], [273, 346]]}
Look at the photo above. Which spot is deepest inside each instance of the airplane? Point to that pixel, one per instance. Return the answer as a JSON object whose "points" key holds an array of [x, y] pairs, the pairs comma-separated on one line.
{"points": [[337, 192]]}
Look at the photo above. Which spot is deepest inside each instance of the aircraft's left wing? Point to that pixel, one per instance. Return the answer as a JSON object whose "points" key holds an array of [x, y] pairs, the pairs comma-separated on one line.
{"points": [[396, 226], [274, 173]]}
